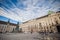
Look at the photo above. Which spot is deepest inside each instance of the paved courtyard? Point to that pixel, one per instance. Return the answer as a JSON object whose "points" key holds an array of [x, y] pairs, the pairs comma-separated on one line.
{"points": [[29, 36]]}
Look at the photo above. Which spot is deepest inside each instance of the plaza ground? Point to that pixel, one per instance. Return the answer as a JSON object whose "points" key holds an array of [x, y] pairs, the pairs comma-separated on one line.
{"points": [[29, 36]]}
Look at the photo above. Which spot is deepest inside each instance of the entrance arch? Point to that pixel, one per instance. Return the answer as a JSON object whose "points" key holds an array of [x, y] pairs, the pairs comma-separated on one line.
{"points": [[58, 28]]}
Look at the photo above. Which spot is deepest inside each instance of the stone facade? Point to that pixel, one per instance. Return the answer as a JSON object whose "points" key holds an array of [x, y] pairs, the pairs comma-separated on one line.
{"points": [[7, 27], [46, 23]]}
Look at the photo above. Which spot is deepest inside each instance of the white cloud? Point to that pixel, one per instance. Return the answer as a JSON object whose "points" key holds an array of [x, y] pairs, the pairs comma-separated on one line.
{"points": [[31, 11]]}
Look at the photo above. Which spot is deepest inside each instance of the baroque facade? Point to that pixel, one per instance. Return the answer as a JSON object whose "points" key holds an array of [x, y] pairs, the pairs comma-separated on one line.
{"points": [[47, 23], [7, 27]]}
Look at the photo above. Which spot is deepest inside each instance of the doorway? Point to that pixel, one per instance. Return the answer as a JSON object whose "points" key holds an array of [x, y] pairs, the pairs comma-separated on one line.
{"points": [[58, 28]]}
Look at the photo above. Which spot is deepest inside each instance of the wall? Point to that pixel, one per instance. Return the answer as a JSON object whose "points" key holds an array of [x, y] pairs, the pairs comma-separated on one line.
{"points": [[44, 24]]}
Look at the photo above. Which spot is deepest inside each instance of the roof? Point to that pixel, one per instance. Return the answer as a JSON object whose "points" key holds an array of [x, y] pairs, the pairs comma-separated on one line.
{"points": [[58, 12], [39, 17], [3, 22], [36, 18]]}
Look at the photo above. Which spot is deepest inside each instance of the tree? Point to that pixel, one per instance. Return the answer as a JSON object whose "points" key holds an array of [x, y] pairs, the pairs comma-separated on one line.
{"points": [[50, 12]]}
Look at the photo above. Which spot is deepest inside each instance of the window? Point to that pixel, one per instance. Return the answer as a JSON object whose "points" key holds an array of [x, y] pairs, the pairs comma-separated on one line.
{"points": [[50, 27], [59, 17], [56, 22], [40, 24]]}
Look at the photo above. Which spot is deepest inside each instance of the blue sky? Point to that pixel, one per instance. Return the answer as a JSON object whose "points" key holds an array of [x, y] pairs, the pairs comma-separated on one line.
{"points": [[7, 19], [24, 10]]}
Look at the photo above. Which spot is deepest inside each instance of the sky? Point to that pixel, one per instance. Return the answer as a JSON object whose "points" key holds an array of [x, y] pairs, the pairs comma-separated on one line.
{"points": [[24, 10], [7, 19]]}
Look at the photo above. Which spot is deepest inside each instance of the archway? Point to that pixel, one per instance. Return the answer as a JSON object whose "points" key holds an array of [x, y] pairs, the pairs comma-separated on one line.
{"points": [[58, 28]]}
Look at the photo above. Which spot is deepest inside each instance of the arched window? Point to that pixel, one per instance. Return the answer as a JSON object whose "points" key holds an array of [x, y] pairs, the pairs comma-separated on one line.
{"points": [[59, 17], [40, 24], [56, 22]]}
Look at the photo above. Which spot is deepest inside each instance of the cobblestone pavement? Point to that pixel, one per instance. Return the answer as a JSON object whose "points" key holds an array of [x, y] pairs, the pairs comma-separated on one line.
{"points": [[29, 36]]}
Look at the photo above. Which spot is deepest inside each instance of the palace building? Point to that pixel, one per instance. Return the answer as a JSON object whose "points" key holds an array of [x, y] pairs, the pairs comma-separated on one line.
{"points": [[48, 23], [7, 27]]}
